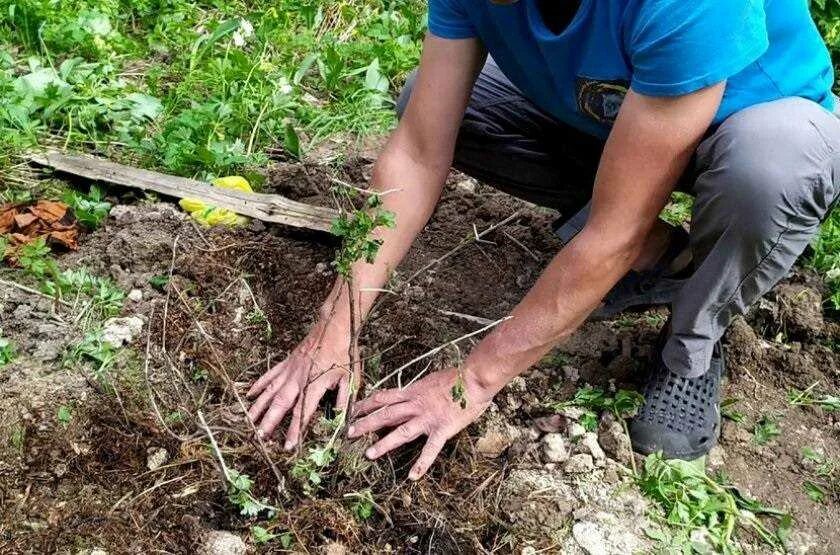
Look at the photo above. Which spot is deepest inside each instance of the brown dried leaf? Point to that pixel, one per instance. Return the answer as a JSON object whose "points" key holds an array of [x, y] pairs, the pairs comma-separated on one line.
{"points": [[7, 219], [25, 220], [66, 238], [49, 211]]}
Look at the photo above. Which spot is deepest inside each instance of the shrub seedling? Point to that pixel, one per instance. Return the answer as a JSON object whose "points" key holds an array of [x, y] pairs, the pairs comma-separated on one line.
{"points": [[91, 209], [829, 403]]}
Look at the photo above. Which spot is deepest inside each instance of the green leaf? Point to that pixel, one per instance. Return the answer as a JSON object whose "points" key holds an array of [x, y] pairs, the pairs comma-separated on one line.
{"points": [[814, 492], [766, 429], [261, 535], [291, 141], [64, 415], [144, 107], [159, 281]]}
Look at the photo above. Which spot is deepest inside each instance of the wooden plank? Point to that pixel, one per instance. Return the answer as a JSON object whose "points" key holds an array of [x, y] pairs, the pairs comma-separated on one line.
{"points": [[265, 207]]}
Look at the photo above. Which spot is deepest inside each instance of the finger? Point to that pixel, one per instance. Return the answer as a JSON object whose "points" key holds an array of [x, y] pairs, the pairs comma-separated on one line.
{"points": [[389, 416], [404, 433], [344, 392], [277, 411], [428, 455], [379, 399], [297, 414], [266, 398], [266, 379], [311, 397]]}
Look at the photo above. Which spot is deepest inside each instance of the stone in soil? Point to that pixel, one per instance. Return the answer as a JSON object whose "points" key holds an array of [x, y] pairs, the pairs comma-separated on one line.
{"points": [[537, 502], [554, 448], [119, 332], [612, 438], [579, 464], [605, 534], [588, 444]]}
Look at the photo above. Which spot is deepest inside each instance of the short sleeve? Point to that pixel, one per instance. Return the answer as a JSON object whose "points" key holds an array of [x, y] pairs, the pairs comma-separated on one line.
{"points": [[449, 20], [677, 47]]}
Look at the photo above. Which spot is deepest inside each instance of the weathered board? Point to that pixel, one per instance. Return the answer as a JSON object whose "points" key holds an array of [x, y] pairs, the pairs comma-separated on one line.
{"points": [[265, 207]]}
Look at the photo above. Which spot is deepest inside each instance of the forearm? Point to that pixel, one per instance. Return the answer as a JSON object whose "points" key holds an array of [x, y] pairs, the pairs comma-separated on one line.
{"points": [[649, 148], [410, 185], [571, 286]]}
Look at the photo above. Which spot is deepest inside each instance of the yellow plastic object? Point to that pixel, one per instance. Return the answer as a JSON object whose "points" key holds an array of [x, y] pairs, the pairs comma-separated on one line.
{"points": [[211, 215]]}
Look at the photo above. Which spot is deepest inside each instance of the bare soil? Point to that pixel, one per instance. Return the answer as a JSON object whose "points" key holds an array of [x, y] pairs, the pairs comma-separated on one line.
{"points": [[70, 487]]}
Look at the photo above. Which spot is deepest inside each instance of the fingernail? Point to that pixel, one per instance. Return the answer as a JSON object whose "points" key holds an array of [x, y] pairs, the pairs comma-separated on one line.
{"points": [[260, 433], [413, 476], [288, 446], [351, 431], [370, 453]]}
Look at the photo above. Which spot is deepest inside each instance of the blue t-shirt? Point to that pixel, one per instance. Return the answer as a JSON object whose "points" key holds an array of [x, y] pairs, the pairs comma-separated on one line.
{"points": [[764, 49]]}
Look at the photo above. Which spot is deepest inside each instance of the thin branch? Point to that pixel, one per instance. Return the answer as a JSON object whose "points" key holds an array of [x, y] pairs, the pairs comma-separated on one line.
{"points": [[35, 292], [438, 349], [469, 240]]}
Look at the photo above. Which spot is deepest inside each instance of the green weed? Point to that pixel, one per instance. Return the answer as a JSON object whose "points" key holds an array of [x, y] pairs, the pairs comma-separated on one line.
{"points": [[363, 505], [201, 89], [34, 258], [262, 536], [7, 351], [94, 349], [678, 210], [64, 415], [623, 404], [702, 513], [824, 475], [91, 209], [766, 429], [728, 411], [827, 402], [239, 494]]}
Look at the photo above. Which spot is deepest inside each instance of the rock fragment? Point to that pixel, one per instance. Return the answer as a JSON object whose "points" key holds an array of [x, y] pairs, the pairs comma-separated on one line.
{"points": [[497, 437], [119, 332], [156, 457], [613, 440], [588, 443], [579, 464], [554, 448], [604, 534], [220, 542]]}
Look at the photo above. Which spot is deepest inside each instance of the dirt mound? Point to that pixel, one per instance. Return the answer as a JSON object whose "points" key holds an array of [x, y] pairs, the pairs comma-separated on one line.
{"points": [[235, 301]]}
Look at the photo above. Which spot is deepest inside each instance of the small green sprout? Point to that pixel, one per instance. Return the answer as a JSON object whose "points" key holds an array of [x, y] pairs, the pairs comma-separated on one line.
{"points": [[91, 209], [7, 351], [64, 415], [766, 429]]}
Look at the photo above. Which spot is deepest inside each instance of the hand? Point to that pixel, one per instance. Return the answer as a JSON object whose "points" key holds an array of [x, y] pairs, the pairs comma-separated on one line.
{"points": [[423, 408], [319, 363]]}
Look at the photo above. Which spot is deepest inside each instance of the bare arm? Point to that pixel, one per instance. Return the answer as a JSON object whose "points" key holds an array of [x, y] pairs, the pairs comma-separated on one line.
{"points": [[415, 162], [649, 148]]}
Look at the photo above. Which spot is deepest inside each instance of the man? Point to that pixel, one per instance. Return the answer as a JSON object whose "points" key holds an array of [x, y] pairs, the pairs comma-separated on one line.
{"points": [[619, 102]]}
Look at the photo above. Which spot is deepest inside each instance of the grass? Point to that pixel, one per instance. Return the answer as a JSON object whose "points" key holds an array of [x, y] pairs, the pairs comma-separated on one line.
{"points": [[198, 89], [807, 397], [7, 351]]}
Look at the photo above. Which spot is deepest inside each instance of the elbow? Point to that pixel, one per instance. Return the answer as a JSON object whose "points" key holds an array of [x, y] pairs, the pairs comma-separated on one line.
{"points": [[607, 249]]}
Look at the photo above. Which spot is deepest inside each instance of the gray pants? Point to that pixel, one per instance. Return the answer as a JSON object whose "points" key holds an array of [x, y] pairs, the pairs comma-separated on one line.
{"points": [[763, 181]]}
